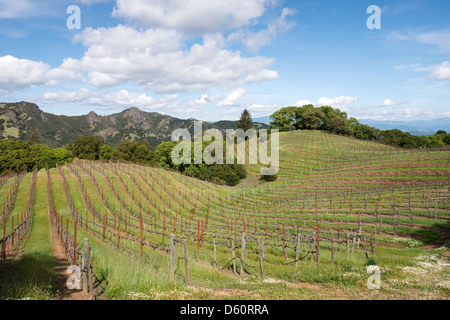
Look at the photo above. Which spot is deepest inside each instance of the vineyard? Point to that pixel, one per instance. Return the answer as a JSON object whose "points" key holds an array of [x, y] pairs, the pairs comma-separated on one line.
{"points": [[338, 205]]}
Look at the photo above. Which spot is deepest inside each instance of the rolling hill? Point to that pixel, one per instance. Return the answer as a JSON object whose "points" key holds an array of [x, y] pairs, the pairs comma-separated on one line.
{"points": [[23, 119]]}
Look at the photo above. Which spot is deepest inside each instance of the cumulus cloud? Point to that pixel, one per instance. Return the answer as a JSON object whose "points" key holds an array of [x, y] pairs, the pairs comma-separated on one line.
{"points": [[155, 60], [203, 100], [442, 72], [388, 102], [332, 102], [195, 17], [110, 100], [21, 73], [260, 110], [255, 40], [16, 74], [232, 98], [338, 101]]}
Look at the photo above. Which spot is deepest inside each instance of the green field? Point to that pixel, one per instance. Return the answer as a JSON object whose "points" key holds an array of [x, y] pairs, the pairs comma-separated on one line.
{"points": [[338, 205]]}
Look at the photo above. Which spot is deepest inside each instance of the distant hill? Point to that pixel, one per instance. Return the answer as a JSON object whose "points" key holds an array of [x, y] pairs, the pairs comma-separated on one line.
{"points": [[265, 120], [418, 127], [23, 120]]}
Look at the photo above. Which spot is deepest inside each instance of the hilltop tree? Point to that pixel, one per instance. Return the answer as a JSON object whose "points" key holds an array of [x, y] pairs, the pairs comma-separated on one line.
{"points": [[313, 118], [132, 151], [363, 131], [105, 152], [87, 147], [245, 122], [338, 125], [284, 118]]}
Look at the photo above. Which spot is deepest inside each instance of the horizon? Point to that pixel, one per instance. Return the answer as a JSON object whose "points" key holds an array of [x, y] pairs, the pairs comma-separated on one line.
{"points": [[258, 119], [211, 62]]}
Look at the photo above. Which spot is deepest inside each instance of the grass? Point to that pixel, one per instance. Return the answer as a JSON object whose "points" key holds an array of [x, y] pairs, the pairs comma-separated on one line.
{"points": [[316, 168], [32, 274]]}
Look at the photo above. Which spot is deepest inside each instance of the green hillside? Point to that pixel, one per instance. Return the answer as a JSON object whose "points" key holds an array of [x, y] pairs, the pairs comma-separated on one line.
{"points": [[339, 205], [22, 120]]}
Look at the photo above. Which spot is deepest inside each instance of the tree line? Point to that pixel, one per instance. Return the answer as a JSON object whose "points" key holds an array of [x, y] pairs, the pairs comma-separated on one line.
{"points": [[336, 121], [17, 155]]}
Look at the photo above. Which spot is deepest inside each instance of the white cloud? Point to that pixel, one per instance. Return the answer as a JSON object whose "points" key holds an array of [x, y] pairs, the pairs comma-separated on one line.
{"points": [[203, 100], [261, 110], [195, 17], [16, 9], [16, 74], [232, 98], [442, 72], [110, 100], [302, 103], [254, 40], [439, 38], [338, 101], [388, 102], [90, 2], [332, 102], [154, 59]]}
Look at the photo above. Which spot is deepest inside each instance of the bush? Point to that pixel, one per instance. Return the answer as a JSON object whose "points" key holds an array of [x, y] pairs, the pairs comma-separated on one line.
{"points": [[371, 262], [269, 178]]}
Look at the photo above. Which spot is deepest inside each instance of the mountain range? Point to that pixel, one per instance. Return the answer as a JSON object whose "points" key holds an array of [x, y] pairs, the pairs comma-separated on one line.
{"points": [[25, 120], [418, 127]]}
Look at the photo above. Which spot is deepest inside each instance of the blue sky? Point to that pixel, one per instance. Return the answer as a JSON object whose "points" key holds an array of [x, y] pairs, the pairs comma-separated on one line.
{"points": [[211, 59]]}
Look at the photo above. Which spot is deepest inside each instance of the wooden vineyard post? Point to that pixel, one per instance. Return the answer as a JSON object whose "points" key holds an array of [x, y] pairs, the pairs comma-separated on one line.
{"points": [[75, 244], [198, 239], [142, 234], [4, 240], [172, 257], [332, 249], [297, 250], [91, 282], [242, 254], [260, 258], [12, 234], [118, 236], [347, 245], [234, 256], [317, 248], [215, 251], [62, 228], [84, 265], [353, 241], [365, 247], [186, 262]]}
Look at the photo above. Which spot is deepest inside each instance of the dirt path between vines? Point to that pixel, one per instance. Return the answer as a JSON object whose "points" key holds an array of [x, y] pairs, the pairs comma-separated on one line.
{"points": [[62, 263]]}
